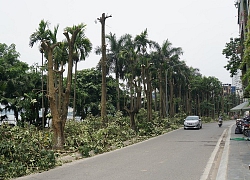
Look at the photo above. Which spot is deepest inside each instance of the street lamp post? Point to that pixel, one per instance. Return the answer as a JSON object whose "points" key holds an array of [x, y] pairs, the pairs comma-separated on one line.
{"points": [[167, 86]]}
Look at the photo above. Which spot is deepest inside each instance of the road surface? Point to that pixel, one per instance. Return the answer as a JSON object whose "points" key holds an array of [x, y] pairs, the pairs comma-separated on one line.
{"points": [[178, 155]]}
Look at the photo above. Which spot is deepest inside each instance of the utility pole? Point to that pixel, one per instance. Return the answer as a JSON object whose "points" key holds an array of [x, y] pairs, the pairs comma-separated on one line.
{"points": [[104, 66]]}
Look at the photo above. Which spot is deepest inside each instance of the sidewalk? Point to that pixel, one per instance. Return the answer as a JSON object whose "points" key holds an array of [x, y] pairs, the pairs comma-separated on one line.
{"points": [[239, 157]]}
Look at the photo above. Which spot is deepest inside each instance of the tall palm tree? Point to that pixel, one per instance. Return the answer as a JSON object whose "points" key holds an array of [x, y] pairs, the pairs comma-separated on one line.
{"points": [[82, 48], [184, 79], [196, 91], [142, 44], [159, 60], [172, 56], [130, 57], [114, 62], [41, 34], [166, 56]]}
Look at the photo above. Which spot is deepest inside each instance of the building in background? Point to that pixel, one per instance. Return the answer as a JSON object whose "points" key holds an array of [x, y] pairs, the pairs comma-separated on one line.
{"points": [[226, 89], [243, 13], [237, 84]]}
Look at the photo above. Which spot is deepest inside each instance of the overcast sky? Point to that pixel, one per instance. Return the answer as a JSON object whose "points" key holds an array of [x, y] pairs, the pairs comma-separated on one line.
{"points": [[200, 27]]}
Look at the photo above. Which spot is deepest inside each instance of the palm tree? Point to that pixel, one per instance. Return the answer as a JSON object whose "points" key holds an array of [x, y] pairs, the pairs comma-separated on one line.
{"points": [[166, 56], [142, 43], [114, 62], [159, 60], [42, 33], [102, 20], [130, 57], [82, 48], [59, 97], [196, 84], [172, 56], [184, 79]]}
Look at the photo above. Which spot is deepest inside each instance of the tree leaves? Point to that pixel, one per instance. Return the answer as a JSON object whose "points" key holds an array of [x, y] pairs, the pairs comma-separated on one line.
{"points": [[232, 53]]}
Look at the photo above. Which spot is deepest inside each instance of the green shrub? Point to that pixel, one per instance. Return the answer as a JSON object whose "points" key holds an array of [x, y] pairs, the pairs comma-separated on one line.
{"points": [[89, 136], [24, 150], [206, 119]]}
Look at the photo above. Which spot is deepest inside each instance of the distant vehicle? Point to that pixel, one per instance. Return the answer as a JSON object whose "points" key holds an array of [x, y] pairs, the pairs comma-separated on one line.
{"points": [[192, 122], [70, 117], [8, 117]]}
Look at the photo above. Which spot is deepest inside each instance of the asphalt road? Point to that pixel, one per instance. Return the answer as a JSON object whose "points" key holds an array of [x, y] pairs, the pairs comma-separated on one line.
{"points": [[178, 155]]}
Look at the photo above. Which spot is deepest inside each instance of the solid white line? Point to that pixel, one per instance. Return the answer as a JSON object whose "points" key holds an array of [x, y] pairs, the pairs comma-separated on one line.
{"points": [[211, 159], [222, 171]]}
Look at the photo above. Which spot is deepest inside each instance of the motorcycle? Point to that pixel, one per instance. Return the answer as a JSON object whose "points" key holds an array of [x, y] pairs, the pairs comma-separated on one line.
{"points": [[220, 122], [246, 128], [245, 125], [238, 129]]}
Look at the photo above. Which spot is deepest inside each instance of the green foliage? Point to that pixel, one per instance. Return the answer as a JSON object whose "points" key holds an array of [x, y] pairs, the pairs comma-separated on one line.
{"points": [[206, 119], [88, 88], [24, 150], [246, 63], [232, 52], [17, 81], [88, 135], [157, 126]]}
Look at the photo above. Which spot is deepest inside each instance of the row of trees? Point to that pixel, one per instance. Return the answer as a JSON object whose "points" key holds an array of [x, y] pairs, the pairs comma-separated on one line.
{"points": [[149, 68], [146, 75]]}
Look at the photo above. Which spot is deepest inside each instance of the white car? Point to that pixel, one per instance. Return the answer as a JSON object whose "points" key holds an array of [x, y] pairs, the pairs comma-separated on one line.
{"points": [[192, 122], [8, 118]]}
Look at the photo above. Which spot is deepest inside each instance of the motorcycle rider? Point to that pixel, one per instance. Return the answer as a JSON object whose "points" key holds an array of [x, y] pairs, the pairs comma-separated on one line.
{"points": [[220, 119]]}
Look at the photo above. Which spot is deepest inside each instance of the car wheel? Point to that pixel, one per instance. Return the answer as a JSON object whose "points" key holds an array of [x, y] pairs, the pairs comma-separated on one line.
{"points": [[201, 126], [185, 128]]}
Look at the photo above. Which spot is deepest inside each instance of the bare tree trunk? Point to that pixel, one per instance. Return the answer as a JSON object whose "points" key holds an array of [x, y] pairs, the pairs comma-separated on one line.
{"points": [[104, 66], [57, 124], [161, 95], [171, 86], [118, 94], [59, 99], [199, 107], [149, 97], [133, 107], [74, 103], [156, 100], [188, 104]]}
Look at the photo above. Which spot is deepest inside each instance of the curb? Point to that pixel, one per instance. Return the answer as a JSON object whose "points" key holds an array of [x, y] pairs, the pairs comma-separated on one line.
{"points": [[222, 171]]}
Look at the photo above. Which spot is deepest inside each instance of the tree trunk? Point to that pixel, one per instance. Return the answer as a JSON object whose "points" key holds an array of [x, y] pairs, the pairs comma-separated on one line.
{"points": [[132, 111], [132, 120], [161, 95], [104, 66], [74, 103], [155, 99], [171, 105], [57, 123], [58, 98], [118, 93], [149, 97], [199, 107]]}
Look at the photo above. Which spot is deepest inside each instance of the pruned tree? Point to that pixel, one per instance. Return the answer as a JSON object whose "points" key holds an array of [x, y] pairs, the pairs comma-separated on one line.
{"points": [[59, 95], [102, 20]]}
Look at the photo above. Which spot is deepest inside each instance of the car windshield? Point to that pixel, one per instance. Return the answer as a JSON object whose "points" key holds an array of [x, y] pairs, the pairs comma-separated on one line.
{"points": [[189, 118]]}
